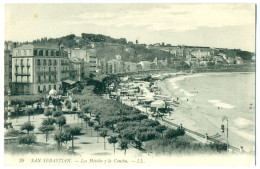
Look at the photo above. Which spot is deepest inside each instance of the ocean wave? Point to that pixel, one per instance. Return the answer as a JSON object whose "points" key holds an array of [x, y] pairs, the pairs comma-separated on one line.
{"points": [[246, 135], [220, 104], [241, 122]]}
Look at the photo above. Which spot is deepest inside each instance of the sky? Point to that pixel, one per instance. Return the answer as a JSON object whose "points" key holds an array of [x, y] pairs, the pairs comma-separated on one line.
{"points": [[213, 25]]}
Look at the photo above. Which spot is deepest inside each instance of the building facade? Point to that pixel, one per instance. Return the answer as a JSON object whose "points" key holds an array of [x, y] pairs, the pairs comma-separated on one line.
{"points": [[38, 69]]}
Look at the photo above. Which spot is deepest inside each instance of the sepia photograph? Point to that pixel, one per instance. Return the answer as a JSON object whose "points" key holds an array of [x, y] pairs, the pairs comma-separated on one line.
{"points": [[129, 84]]}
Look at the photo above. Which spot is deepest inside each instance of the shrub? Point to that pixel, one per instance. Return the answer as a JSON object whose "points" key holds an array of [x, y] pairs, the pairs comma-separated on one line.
{"points": [[27, 139], [49, 121], [57, 114]]}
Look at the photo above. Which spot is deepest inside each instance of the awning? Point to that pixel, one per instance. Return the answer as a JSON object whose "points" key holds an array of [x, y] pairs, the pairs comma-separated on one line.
{"points": [[71, 82]]}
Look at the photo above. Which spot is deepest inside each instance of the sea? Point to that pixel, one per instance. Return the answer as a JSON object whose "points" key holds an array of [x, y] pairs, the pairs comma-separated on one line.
{"points": [[205, 98]]}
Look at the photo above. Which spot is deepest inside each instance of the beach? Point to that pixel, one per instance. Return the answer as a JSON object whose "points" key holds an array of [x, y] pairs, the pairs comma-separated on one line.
{"points": [[206, 97]]}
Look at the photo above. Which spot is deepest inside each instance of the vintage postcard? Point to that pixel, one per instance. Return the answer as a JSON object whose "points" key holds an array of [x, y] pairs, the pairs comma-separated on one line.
{"points": [[129, 84]]}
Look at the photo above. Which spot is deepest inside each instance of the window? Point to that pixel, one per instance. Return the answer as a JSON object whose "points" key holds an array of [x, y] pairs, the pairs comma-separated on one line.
{"points": [[54, 86], [44, 62], [54, 69], [28, 70], [55, 62], [22, 70], [38, 62], [41, 52], [55, 77], [57, 53], [52, 53], [44, 88], [49, 87], [39, 89], [49, 62], [27, 62], [44, 77], [35, 52], [21, 62], [49, 77], [44, 70], [47, 52], [39, 79]]}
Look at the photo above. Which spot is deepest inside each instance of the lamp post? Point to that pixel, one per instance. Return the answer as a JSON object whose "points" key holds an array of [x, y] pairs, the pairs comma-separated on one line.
{"points": [[9, 104], [223, 119]]}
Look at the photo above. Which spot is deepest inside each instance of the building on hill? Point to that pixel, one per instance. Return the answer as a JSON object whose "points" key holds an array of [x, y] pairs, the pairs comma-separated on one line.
{"points": [[37, 69], [78, 53], [92, 63], [77, 69], [177, 52], [130, 67], [200, 53], [143, 65], [113, 67], [239, 60]]}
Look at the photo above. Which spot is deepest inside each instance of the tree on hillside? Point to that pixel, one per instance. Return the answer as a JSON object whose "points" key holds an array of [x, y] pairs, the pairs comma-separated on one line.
{"points": [[28, 126], [245, 55], [113, 140]]}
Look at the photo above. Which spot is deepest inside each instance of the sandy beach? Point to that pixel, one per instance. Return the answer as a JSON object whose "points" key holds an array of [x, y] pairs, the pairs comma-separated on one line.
{"points": [[202, 105]]}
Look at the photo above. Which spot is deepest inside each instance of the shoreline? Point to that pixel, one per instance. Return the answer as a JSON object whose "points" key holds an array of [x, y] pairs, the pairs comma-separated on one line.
{"points": [[185, 113]]}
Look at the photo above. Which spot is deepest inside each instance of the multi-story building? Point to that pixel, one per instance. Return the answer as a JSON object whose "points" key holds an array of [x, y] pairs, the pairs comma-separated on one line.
{"points": [[92, 63], [130, 67], [7, 71], [77, 69], [37, 69], [78, 53], [200, 54], [113, 67]]}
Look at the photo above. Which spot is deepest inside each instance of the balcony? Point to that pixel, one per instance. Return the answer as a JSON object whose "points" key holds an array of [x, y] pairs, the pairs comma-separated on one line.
{"points": [[16, 65], [28, 65], [22, 74], [53, 72], [22, 65]]}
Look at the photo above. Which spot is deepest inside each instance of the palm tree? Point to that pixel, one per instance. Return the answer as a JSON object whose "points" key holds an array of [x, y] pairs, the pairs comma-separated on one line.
{"points": [[104, 134], [96, 128], [113, 140], [124, 145]]}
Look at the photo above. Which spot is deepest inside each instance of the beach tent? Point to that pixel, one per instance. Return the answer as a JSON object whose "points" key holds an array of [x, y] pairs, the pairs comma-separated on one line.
{"points": [[158, 104]]}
